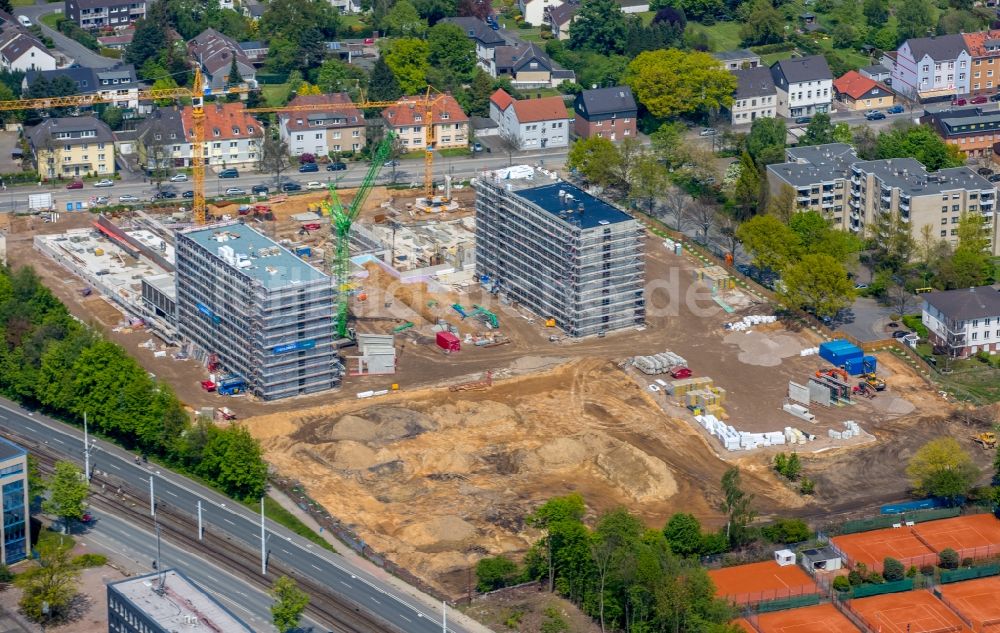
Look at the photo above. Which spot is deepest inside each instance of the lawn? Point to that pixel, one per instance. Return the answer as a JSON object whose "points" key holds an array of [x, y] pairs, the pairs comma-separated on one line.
{"points": [[646, 17], [52, 20], [534, 34], [22, 3], [277, 513], [968, 380], [722, 36], [770, 58], [274, 94]]}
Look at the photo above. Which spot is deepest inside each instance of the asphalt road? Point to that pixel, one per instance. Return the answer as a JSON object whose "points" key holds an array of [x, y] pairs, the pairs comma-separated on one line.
{"points": [[79, 53], [403, 610]]}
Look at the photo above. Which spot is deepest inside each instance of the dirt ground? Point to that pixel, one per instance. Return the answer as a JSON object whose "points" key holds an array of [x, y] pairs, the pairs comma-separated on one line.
{"points": [[522, 610]]}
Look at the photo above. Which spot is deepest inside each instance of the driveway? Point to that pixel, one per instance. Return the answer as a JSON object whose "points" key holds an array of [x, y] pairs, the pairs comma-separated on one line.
{"points": [[68, 47], [865, 320]]}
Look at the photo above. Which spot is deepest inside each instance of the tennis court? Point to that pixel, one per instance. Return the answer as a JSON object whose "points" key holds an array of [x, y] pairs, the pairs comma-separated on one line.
{"points": [[972, 536], [977, 600], [822, 618], [756, 582], [909, 612], [871, 548]]}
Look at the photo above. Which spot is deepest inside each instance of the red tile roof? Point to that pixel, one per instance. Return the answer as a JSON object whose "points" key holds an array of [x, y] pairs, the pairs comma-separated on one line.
{"points": [[230, 119], [855, 85], [531, 110], [976, 42], [502, 99], [409, 108]]}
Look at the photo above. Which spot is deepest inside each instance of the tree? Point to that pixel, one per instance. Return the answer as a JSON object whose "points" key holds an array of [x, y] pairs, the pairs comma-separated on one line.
{"points": [[771, 242], [599, 27], [148, 40], [876, 13], [407, 58], [68, 490], [842, 133], [941, 468], [765, 134], [629, 151], [736, 507], [6, 6], [112, 116], [949, 559], [383, 85], [671, 82], [593, 157], [817, 283], [477, 96], [915, 18], [510, 142], [475, 8], [892, 569], [336, 76], [36, 483], [702, 215], [273, 157], [747, 192], [289, 603], [495, 573], [782, 204], [234, 78], [683, 534], [297, 31], [764, 25], [787, 531], [819, 131], [49, 587], [920, 142], [404, 21], [971, 264], [650, 180], [434, 10], [667, 141], [451, 51]]}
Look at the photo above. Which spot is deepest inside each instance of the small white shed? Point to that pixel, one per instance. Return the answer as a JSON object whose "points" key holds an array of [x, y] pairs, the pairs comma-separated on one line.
{"points": [[784, 557], [821, 559]]}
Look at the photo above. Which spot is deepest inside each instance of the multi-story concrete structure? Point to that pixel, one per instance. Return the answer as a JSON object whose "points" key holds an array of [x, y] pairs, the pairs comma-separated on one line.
{"points": [[804, 86], [860, 196], [232, 137], [931, 67], [607, 112], [984, 49], [972, 130], [965, 321], [14, 487], [531, 123], [756, 96], [166, 602], [738, 59], [95, 14], [406, 119], [68, 147], [858, 92], [320, 132], [562, 253], [266, 314]]}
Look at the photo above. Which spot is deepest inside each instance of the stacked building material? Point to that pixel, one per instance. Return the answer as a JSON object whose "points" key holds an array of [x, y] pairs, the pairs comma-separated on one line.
{"points": [[749, 321], [682, 387], [658, 363]]}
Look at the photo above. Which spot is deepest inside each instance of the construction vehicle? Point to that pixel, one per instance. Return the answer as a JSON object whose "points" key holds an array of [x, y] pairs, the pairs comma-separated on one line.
{"points": [[231, 386], [987, 441], [491, 319], [873, 381], [550, 322], [402, 327], [834, 372], [865, 390]]}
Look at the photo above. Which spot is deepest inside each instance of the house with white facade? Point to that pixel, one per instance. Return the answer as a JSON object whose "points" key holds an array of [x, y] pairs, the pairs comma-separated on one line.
{"points": [[533, 11], [804, 86], [965, 321], [20, 50], [95, 14], [756, 96], [232, 137], [118, 86], [531, 123], [215, 53], [927, 67], [406, 120], [485, 38], [341, 128]]}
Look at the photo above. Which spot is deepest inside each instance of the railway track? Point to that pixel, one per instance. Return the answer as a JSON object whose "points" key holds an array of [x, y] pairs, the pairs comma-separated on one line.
{"points": [[334, 610]]}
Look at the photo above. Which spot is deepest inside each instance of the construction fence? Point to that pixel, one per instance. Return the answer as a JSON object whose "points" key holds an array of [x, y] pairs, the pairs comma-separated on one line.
{"points": [[969, 573]]}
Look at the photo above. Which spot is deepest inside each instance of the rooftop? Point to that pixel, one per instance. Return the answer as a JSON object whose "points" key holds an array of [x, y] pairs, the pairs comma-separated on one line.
{"points": [[735, 55], [938, 47], [855, 85], [177, 603], [754, 82], [799, 69], [255, 255], [596, 212], [967, 303], [10, 450]]}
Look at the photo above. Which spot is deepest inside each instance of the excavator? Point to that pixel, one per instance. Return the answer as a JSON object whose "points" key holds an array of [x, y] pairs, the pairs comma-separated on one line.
{"points": [[987, 441], [834, 372], [873, 381]]}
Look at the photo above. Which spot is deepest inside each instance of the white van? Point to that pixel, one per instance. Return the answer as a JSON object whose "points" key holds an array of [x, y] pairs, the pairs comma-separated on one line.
{"points": [[25, 22]]}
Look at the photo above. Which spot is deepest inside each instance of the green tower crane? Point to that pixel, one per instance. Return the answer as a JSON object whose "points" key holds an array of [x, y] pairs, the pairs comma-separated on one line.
{"points": [[342, 219]]}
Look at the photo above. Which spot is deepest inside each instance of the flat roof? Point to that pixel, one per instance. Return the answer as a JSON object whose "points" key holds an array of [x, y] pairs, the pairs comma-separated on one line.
{"points": [[256, 255], [164, 283], [179, 603], [10, 450], [596, 212]]}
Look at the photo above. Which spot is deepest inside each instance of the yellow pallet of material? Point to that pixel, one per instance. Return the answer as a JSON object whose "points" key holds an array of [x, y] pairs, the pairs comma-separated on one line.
{"points": [[718, 411], [720, 392], [683, 386]]}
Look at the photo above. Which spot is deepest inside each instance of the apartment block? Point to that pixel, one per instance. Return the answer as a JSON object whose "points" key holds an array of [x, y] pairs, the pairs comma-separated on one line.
{"points": [[965, 321], [69, 147], [406, 119], [341, 128], [267, 315], [562, 253], [94, 14], [975, 131], [14, 488], [857, 195]]}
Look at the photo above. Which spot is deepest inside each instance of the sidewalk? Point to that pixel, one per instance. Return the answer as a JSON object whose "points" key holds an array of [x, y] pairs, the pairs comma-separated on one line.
{"points": [[364, 564]]}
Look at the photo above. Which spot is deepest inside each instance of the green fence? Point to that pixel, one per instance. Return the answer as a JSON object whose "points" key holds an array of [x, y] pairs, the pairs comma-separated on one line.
{"points": [[866, 525], [919, 516], [969, 573], [788, 603], [863, 591]]}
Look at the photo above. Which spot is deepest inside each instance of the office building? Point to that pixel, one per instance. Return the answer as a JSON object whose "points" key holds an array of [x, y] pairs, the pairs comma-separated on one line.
{"points": [[266, 315], [166, 602], [562, 253], [14, 483]]}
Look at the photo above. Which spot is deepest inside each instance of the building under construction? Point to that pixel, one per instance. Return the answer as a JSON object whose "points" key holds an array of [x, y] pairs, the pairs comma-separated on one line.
{"points": [[265, 315], [562, 253]]}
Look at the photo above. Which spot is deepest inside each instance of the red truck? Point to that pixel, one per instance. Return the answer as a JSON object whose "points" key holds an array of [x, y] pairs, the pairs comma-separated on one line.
{"points": [[680, 372]]}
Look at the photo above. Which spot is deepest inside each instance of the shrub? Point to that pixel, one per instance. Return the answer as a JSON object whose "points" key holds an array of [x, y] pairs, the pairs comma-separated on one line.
{"points": [[787, 531], [494, 573], [911, 572], [949, 559], [307, 158], [967, 562], [892, 569], [841, 583], [780, 463], [808, 486], [90, 560], [914, 322], [6, 575], [927, 570], [876, 578], [854, 578]]}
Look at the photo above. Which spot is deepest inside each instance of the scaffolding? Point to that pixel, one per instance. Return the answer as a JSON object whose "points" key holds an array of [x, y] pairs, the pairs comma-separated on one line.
{"points": [[562, 253]]}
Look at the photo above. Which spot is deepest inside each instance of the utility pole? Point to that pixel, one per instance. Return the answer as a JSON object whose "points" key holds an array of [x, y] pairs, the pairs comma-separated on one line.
{"points": [[152, 499], [263, 541], [444, 616], [201, 532], [86, 449]]}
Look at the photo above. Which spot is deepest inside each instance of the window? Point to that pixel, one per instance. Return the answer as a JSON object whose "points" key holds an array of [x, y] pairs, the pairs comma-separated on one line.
{"points": [[336, 135], [954, 231], [299, 137], [944, 221], [975, 75], [944, 233], [250, 129], [236, 130], [355, 133], [954, 219], [233, 144], [100, 157]]}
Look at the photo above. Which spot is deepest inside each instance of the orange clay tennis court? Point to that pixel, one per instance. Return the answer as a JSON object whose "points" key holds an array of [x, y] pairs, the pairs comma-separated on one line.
{"points": [[821, 618], [871, 548], [908, 612], [977, 600], [968, 535], [745, 584]]}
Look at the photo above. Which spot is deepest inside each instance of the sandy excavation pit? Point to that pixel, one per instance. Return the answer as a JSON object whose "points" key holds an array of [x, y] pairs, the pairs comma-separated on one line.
{"points": [[437, 479]]}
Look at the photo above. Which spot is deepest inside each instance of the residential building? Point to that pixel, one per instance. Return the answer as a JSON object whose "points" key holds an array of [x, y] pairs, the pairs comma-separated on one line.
{"points": [[96, 14], [527, 66], [804, 86], [14, 532], [256, 51], [859, 196], [406, 119], [560, 17], [561, 253], [347, 6], [164, 602], [931, 67], [119, 41], [964, 321], [973, 130], [984, 51], [607, 112], [19, 49], [118, 85], [266, 314], [877, 72], [738, 59], [531, 123], [533, 11], [252, 9], [321, 132], [756, 96], [485, 38], [633, 6], [858, 92], [70, 147], [216, 52], [232, 137]]}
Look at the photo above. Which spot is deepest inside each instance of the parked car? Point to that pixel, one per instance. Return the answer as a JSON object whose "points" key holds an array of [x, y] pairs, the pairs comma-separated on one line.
{"points": [[860, 286], [259, 189], [369, 40], [477, 147], [959, 101], [236, 191], [978, 99], [127, 198], [995, 97], [179, 178], [802, 120], [313, 185], [984, 171], [336, 167], [102, 200], [164, 195], [290, 186], [994, 178], [899, 333], [187, 194], [104, 183], [25, 22], [391, 163], [896, 109], [76, 184], [232, 172], [308, 168], [874, 115], [709, 131]]}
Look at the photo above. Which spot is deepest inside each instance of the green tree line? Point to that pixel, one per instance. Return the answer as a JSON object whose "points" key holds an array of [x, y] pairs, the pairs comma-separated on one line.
{"points": [[50, 360]]}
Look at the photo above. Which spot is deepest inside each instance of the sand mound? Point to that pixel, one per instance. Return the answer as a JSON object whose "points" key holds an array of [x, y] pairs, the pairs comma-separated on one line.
{"points": [[764, 349], [437, 534]]}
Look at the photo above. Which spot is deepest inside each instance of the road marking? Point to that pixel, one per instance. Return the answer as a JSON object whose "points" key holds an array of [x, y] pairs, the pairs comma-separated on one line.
{"points": [[285, 551], [374, 599], [115, 467], [56, 439], [228, 521], [315, 567], [405, 618], [172, 494], [345, 584]]}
